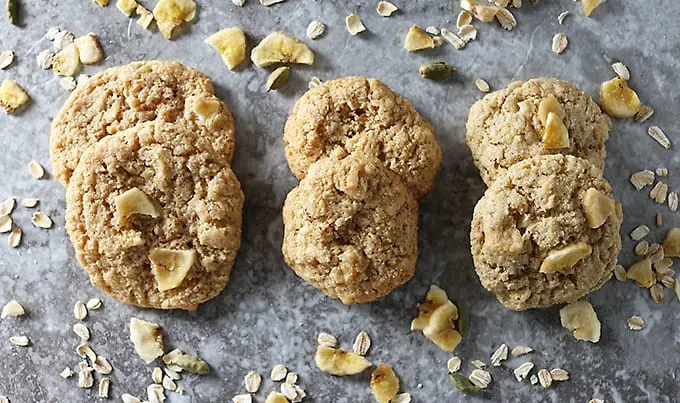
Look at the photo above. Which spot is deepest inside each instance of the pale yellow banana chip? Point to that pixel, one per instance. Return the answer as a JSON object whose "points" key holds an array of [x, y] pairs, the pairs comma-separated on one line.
{"points": [[231, 44], [279, 47], [340, 363]]}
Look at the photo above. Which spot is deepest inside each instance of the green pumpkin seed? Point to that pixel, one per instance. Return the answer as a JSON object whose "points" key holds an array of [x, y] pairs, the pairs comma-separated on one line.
{"points": [[463, 384], [278, 78], [192, 364], [463, 322], [436, 70]]}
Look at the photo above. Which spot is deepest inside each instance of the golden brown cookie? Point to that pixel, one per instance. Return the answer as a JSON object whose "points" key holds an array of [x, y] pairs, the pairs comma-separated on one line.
{"points": [[505, 127], [121, 97], [143, 191], [546, 232], [351, 229], [360, 115]]}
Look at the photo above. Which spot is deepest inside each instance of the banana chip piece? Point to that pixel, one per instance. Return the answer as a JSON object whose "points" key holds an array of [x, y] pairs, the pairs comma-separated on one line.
{"points": [[89, 49], [418, 39], [581, 319], [67, 62], [339, 362], [279, 47], [12, 96], [231, 43], [384, 384], [147, 339], [171, 14], [435, 319]]}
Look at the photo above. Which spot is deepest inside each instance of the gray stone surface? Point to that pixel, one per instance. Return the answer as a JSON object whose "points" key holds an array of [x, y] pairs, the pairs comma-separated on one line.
{"points": [[267, 315]]}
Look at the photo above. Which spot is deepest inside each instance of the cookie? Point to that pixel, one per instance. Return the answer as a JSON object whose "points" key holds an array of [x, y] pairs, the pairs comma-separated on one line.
{"points": [[359, 115], [351, 229], [546, 232], [185, 199], [121, 97], [505, 127]]}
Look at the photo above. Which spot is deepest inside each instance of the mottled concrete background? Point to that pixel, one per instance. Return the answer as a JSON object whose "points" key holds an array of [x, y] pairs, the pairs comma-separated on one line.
{"points": [[267, 315]]}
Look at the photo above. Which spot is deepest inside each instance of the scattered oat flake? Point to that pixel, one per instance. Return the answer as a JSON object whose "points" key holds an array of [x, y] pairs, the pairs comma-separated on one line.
{"points": [[478, 363], [635, 323], [288, 391], [562, 16], [7, 206], [29, 202], [521, 350], [13, 309], [6, 58], [455, 40], [354, 24], [174, 375], [659, 192], [453, 364], [279, 372], [79, 310], [68, 83], [157, 375], [639, 232], [14, 238], [45, 59], [362, 343], [559, 43], [94, 303], [545, 378], [523, 371], [253, 381], [66, 373], [642, 248], [620, 273], [386, 9], [292, 378], [506, 19], [468, 33], [402, 398], [559, 375], [245, 398], [19, 341], [657, 134], [104, 385], [155, 392], [480, 378], [659, 220], [644, 113], [642, 178], [464, 18], [5, 224], [41, 220], [432, 30], [673, 201], [81, 331], [239, 3], [668, 281], [656, 292], [168, 383], [482, 85], [315, 29], [500, 355], [36, 169], [326, 340], [314, 82], [270, 2], [621, 70], [128, 398]]}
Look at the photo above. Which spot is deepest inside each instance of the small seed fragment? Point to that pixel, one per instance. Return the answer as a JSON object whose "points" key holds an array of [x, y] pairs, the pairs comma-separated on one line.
{"points": [[315, 29], [386, 9], [362, 343], [635, 323], [544, 378], [436, 71], [278, 78], [657, 134], [482, 85], [354, 24], [559, 43]]}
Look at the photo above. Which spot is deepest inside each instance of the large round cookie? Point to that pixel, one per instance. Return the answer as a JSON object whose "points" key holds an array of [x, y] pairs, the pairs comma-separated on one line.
{"points": [[121, 97], [198, 200], [537, 208], [504, 127], [351, 229], [359, 115]]}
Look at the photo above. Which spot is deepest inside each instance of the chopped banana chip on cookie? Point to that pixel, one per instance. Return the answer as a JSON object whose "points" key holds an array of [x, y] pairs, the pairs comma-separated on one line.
{"points": [[231, 43], [547, 105], [147, 339], [279, 47], [89, 49], [134, 201], [171, 266], [435, 320], [418, 39], [597, 207], [339, 362], [618, 99], [171, 14], [581, 319], [12, 96], [206, 108], [556, 135], [384, 384], [67, 61], [559, 260]]}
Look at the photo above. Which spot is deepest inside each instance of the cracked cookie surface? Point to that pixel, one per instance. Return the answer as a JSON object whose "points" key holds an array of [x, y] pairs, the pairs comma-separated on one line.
{"points": [[360, 115], [536, 207], [504, 127], [199, 200], [351, 229], [121, 97]]}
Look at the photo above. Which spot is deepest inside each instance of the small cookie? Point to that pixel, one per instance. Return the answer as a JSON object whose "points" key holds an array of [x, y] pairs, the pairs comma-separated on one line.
{"points": [[546, 232], [351, 229], [506, 127], [121, 97], [359, 115], [144, 191]]}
